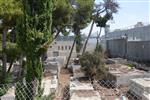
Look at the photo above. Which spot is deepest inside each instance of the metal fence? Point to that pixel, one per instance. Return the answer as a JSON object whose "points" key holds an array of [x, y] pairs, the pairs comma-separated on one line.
{"points": [[23, 91], [106, 90], [133, 50], [116, 47]]}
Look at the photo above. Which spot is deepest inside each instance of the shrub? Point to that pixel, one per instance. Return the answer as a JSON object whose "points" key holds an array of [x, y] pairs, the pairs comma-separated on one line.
{"points": [[93, 65]]}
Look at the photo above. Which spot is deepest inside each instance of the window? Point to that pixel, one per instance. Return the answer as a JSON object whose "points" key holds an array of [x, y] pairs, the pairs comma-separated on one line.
{"points": [[55, 42], [50, 46], [65, 47], [62, 48], [55, 53], [69, 47], [58, 47]]}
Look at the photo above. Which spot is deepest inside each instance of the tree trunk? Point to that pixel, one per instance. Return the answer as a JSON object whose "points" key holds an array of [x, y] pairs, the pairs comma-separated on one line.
{"points": [[84, 48], [98, 36], [57, 34], [21, 66], [70, 52], [77, 31], [13, 36], [4, 56], [10, 66]]}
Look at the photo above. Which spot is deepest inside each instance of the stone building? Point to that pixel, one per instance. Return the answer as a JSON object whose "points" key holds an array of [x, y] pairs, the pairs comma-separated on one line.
{"points": [[137, 32], [61, 47]]}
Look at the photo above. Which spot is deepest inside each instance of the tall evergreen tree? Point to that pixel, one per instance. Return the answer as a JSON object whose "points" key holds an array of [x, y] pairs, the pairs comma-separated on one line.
{"points": [[34, 36]]}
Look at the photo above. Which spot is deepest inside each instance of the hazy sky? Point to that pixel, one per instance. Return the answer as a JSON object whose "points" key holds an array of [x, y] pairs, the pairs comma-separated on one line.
{"points": [[130, 12]]}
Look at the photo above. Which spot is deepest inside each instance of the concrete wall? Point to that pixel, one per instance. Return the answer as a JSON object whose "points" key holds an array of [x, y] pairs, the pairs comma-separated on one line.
{"points": [[91, 47], [138, 33], [62, 47], [116, 47], [133, 50], [138, 50]]}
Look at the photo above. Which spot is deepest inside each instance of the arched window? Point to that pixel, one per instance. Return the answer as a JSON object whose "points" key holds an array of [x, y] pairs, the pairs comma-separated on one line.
{"points": [[62, 48], [65, 47]]}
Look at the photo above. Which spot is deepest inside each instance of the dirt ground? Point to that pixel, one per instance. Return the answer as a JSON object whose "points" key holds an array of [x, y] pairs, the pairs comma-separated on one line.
{"points": [[64, 77], [64, 80]]}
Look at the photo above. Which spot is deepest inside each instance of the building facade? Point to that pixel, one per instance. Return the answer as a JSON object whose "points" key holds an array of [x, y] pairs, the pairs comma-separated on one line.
{"points": [[62, 47], [137, 32], [132, 43]]}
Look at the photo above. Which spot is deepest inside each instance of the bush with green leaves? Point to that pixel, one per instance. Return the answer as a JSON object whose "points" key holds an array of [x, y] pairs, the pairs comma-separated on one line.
{"points": [[33, 37], [93, 65], [99, 48], [5, 85]]}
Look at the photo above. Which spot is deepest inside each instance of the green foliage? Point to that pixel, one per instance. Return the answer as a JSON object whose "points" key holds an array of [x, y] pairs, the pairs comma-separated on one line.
{"points": [[10, 10], [109, 8], [83, 14], [78, 43], [62, 15], [101, 21], [7, 80], [102, 13], [99, 48], [34, 35], [34, 29], [93, 65], [2, 91], [130, 65], [49, 97], [65, 33], [13, 52], [81, 18]]}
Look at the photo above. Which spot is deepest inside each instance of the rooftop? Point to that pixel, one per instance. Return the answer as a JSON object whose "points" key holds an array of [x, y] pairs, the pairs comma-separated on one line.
{"points": [[137, 25]]}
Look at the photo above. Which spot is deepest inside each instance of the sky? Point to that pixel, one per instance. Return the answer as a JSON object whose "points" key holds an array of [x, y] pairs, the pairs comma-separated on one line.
{"points": [[129, 13]]}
